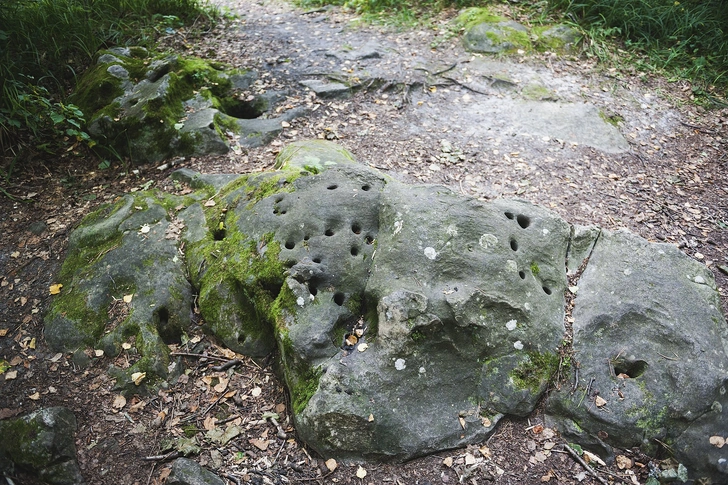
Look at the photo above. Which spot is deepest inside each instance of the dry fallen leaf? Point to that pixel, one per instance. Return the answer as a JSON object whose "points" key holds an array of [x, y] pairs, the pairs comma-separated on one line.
{"points": [[126, 346], [119, 402], [262, 445], [331, 464], [256, 391], [361, 473], [99, 352], [4, 331], [138, 377], [35, 396], [717, 441], [371, 418], [538, 429], [9, 376], [469, 459], [623, 462], [209, 423], [600, 401], [591, 457], [362, 347], [127, 298], [462, 422], [486, 422], [485, 451], [210, 203], [447, 462], [55, 289]]}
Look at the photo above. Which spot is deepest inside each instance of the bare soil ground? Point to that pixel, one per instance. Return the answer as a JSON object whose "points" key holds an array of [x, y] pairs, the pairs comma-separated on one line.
{"points": [[671, 186]]}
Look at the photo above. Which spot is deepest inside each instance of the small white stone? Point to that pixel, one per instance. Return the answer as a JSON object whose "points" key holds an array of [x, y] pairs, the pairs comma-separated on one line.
{"points": [[700, 280], [627, 272], [518, 345], [300, 301], [511, 325], [545, 231], [430, 253], [487, 240], [399, 364]]}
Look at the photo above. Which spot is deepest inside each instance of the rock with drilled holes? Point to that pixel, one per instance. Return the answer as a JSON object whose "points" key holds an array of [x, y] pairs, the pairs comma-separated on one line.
{"points": [[410, 319]]}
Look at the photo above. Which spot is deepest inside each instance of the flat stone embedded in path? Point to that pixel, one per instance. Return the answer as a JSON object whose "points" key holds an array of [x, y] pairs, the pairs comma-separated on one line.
{"points": [[327, 90]]}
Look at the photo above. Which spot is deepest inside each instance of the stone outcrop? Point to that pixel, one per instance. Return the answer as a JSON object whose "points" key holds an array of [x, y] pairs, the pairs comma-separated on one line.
{"points": [[150, 107], [410, 319], [41, 444]]}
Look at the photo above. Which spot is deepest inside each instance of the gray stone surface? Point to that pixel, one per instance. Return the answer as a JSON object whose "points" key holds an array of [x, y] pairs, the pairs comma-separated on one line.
{"points": [[42, 443], [189, 472], [652, 342], [325, 89], [457, 307]]}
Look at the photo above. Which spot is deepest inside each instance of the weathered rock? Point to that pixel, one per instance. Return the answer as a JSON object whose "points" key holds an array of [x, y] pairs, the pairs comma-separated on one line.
{"points": [[152, 108], [410, 319], [557, 38], [652, 342], [42, 443], [496, 37], [128, 249], [189, 472], [324, 89]]}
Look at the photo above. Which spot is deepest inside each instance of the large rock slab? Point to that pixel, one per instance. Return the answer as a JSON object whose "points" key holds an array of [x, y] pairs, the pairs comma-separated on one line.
{"points": [[653, 345], [410, 319]]}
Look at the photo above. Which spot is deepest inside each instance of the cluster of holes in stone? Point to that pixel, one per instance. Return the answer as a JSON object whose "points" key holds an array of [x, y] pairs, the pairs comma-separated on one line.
{"points": [[523, 221]]}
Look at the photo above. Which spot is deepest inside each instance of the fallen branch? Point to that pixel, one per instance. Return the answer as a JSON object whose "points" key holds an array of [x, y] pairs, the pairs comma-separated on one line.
{"points": [[584, 464], [198, 356], [168, 456]]}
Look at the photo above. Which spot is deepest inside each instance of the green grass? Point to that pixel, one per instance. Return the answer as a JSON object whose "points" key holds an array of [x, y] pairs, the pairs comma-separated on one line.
{"points": [[684, 39], [46, 44]]}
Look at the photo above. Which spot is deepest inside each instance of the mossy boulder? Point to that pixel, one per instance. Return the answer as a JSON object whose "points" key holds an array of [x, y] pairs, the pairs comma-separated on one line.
{"points": [[410, 319], [152, 106], [42, 444]]}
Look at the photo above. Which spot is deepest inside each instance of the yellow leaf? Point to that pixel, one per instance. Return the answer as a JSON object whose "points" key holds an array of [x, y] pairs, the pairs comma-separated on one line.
{"points": [[371, 418], [4, 331], [99, 353], [623, 462], [485, 451], [32, 343], [127, 298], [34, 396], [55, 289], [126, 346], [138, 377], [361, 473], [433, 89], [331, 464], [447, 462]]}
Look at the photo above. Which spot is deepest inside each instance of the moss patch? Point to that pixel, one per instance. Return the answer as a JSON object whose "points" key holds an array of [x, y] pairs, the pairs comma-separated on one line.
{"points": [[476, 15], [536, 372]]}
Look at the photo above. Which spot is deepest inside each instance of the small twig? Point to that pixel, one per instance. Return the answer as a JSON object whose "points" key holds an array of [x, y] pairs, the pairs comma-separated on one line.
{"points": [[168, 456], [222, 395], [151, 472], [586, 466], [666, 357], [199, 356], [469, 88], [232, 477], [227, 365], [279, 453]]}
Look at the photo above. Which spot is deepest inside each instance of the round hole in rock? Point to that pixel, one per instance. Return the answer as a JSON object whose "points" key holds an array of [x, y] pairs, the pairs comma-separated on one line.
{"points": [[332, 187], [510, 215], [514, 245], [631, 369], [312, 289], [523, 221], [546, 290], [339, 298], [245, 110], [354, 251], [365, 188], [283, 211], [306, 237], [356, 228], [329, 232], [290, 244], [316, 260], [369, 239], [522, 274]]}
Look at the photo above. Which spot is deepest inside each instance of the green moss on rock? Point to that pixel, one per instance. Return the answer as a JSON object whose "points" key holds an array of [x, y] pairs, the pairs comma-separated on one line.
{"points": [[536, 372]]}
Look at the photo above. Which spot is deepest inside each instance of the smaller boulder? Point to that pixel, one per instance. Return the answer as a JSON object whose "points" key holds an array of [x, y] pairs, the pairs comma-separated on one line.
{"points": [[189, 472], [42, 443]]}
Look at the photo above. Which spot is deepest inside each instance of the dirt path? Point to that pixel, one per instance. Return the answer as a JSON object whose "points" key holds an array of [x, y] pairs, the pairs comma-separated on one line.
{"points": [[531, 127]]}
